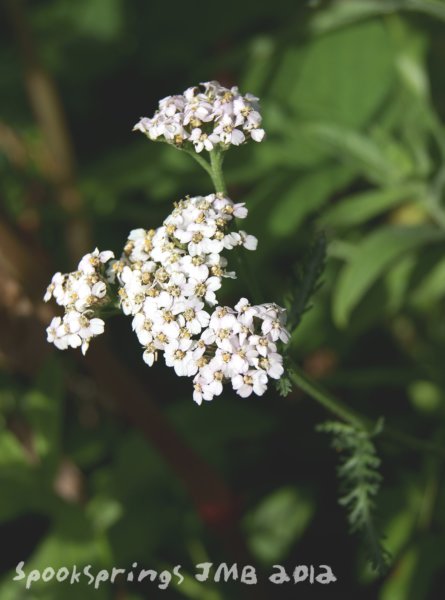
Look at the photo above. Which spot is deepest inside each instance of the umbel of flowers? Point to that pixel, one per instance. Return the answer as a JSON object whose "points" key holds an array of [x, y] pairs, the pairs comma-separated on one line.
{"points": [[82, 293], [205, 116], [167, 278]]}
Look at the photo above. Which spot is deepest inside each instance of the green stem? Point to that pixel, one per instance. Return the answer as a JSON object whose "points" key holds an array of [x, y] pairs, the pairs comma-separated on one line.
{"points": [[412, 442], [216, 161], [342, 411], [214, 169], [200, 160], [328, 401]]}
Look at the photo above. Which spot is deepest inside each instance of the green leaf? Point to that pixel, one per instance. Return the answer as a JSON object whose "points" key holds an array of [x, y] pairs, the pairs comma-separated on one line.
{"points": [[278, 521], [343, 13], [23, 487], [213, 427], [347, 12], [17, 478], [72, 541], [432, 287], [433, 8], [371, 258], [12, 454], [259, 62], [398, 281], [43, 406], [98, 19], [359, 208], [341, 77], [284, 386], [417, 569], [103, 512], [306, 282], [359, 152], [144, 488], [191, 588], [360, 480], [306, 196]]}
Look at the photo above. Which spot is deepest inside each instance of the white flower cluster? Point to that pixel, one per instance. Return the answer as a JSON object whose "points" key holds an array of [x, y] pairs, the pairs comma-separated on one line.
{"points": [[169, 276], [238, 346], [81, 293], [205, 117], [167, 281]]}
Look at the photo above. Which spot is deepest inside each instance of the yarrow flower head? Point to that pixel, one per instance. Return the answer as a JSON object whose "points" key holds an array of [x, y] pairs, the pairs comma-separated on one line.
{"points": [[236, 349], [166, 280], [169, 275], [206, 117], [82, 293]]}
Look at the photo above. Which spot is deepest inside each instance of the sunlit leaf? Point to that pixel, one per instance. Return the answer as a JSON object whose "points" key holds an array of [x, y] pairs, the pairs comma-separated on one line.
{"points": [[359, 152], [372, 257], [347, 12], [358, 208], [306, 196], [341, 77]]}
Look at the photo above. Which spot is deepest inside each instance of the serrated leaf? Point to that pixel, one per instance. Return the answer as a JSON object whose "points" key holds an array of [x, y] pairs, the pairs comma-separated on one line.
{"points": [[284, 386], [371, 258], [359, 483]]}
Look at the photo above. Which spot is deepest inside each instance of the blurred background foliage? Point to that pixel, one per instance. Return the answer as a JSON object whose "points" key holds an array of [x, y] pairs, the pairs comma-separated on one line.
{"points": [[353, 97]]}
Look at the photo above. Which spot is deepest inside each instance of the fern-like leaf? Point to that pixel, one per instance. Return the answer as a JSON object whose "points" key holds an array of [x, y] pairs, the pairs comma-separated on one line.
{"points": [[305, 282], [284, 386], [359, 484]]}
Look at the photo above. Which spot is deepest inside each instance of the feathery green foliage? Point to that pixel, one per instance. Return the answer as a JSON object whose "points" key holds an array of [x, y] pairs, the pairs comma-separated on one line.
{"points": [[284, 386], [305, 282], [359, 484]]}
